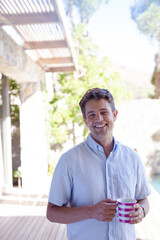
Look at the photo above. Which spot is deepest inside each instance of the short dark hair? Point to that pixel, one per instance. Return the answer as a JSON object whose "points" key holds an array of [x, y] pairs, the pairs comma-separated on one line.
{"points": [[97, 94]]}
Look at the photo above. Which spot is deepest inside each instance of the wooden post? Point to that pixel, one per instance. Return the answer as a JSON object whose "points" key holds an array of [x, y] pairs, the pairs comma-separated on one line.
{"points": [[6, 134]]}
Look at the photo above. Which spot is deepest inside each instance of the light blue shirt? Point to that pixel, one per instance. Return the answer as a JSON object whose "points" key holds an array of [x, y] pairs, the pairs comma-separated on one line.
{"points": [[85, 176]]}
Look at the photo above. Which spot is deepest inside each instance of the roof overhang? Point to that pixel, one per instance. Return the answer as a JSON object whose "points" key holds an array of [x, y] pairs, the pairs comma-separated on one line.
{"points": [[43, 28]]}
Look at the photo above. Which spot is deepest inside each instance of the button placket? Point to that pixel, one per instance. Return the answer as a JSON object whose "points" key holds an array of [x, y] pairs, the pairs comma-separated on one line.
{"points": [[107, 181]]}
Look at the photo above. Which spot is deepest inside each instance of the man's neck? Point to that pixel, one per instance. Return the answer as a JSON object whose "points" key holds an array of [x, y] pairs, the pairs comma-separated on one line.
{"points": [[106, 143]]}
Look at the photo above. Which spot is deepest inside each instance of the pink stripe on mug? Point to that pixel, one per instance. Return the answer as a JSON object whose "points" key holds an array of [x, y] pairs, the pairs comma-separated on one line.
{"points": [[123, 215], [124, 221], [126, 209]]}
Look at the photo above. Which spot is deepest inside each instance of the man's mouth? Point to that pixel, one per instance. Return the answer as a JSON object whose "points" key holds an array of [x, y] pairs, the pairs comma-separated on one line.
{"points": [[100, 126]]}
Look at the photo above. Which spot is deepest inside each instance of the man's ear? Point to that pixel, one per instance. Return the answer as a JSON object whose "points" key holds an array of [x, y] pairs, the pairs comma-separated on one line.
{"points": [[115, 115], [84, 120]]}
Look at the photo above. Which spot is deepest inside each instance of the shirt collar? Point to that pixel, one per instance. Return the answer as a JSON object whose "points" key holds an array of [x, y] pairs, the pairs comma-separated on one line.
{"points": [[97, 147]]}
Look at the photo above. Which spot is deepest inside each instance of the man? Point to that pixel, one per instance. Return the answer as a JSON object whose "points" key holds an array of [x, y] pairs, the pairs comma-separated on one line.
{"points": [[92, 175]]}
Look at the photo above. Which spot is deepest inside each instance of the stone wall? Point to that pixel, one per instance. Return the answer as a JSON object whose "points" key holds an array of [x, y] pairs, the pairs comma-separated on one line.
{"points": [[15, 63]]}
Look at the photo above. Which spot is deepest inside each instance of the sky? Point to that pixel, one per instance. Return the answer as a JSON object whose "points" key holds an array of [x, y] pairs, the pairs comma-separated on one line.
{"points": [[117, 36]]}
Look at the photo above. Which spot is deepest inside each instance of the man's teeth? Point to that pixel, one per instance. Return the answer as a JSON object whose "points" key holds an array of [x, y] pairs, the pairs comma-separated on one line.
{"points": [[99, 126]]}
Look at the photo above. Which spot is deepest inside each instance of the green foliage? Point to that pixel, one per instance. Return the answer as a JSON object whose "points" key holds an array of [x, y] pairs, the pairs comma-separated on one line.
{"points": [[51, 167], [14, 113], [140, 6], [14, 92], [17, 174], [14, 88], [149, 22]]}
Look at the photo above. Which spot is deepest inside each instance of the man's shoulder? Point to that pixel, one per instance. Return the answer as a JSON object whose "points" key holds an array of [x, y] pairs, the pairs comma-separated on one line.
{"points": [[127, 149], [128, 153], [76, 149]]}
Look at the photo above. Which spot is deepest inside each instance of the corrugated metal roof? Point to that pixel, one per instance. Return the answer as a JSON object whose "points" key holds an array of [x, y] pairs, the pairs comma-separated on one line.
{"points": [[42, 26]]}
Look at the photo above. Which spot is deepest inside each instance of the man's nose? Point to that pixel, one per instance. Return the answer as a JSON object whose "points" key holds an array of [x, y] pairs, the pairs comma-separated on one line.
{"points": [[99, 117]]}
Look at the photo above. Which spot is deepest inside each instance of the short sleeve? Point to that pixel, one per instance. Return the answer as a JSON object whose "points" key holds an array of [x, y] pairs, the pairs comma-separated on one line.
{"points": [[142, 187], [61, 185]]}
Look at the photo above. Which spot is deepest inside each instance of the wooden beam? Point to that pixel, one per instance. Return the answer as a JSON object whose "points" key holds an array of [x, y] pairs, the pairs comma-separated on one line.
{"points": [[60, 69], [30, 18], [45, 44], [55, 60], [58, 5], [3, 21]]}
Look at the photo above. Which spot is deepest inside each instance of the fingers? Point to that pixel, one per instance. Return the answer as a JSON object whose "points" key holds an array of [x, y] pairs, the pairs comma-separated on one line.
{"points": [[135, 220], [104, 210], [110, 207], [110, 201], [110, 211], [137, 206], [137, 216]]}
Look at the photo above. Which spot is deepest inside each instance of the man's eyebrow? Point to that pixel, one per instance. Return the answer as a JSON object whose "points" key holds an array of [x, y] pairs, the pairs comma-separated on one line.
{"points": [[90, 112]]}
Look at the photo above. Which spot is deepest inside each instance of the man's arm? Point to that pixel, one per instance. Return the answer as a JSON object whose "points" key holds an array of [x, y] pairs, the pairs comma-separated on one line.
{"points": [[138, 215], [103, 211]]}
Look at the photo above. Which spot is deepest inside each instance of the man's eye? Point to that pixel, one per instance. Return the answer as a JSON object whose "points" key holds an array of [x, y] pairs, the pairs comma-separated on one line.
{"points": [[91, 115], [104, 112]]}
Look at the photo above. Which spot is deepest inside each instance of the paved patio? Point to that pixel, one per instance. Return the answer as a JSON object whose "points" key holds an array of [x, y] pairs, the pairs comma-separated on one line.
{"points": [[22, 217]]}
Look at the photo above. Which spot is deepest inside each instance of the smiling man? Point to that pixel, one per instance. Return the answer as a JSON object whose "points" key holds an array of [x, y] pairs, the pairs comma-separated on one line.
{"points": [[92, 175]]}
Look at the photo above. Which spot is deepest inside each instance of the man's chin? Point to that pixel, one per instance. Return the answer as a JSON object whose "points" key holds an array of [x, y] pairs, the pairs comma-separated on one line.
{"points": [[101, 131], [99, 135]]}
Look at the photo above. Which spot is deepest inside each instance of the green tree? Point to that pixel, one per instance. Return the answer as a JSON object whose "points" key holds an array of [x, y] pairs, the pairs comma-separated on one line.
{"points": [[146, 14], [140, 6]]}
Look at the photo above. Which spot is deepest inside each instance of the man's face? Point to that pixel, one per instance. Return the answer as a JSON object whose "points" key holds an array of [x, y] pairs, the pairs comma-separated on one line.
{"points": [[99, 118]]}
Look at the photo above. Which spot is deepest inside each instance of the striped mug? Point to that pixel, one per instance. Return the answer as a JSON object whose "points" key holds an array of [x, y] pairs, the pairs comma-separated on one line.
{"points": [[125, 207]]}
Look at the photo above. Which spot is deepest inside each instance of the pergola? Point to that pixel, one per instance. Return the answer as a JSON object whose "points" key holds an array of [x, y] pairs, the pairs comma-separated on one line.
{"points": [[34, 39], [43, 29]]}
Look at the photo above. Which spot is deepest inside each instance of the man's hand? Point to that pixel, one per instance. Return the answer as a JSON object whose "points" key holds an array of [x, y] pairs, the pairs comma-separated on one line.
{"points": [[138, 215], [104, 210]]}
